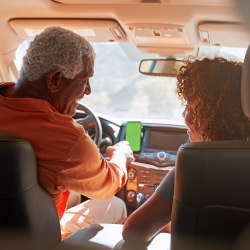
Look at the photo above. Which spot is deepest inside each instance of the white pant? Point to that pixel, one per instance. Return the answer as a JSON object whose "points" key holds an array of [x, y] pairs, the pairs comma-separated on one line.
{"points": [[93, 212]]}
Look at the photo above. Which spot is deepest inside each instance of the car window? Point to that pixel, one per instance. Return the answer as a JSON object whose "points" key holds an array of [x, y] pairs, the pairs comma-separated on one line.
{"points": [[120, 91], [230, 53]]}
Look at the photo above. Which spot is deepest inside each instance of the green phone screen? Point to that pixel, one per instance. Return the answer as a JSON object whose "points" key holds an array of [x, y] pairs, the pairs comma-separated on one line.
{"points": [[133, 135]]}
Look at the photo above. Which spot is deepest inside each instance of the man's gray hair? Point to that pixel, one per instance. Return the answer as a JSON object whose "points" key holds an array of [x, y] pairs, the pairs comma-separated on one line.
{"points": [[58, 49]]}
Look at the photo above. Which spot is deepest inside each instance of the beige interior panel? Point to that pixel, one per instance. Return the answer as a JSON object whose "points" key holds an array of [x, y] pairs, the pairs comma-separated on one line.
{"points": [[222, 33], [110, 1], [161, 38], [186, 13], [94, 30], [167, 52], [168, 35], [177, 2]]}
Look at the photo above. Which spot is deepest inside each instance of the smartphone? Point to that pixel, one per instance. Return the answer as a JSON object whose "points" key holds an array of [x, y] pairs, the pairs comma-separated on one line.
{"points": [[133, 135]]}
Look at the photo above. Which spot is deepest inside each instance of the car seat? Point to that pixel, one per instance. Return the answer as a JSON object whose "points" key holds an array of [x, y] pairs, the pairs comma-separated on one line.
{"points": [[28, 216], [211, 202], [25, 207]]}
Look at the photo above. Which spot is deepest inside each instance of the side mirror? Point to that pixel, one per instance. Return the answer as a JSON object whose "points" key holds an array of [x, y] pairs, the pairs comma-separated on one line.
{"points": [[161, 67]]}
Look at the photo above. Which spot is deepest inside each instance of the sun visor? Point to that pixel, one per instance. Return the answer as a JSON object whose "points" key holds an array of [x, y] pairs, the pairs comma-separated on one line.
{"points": [[94, 30], [220, 33], [245, 85]]}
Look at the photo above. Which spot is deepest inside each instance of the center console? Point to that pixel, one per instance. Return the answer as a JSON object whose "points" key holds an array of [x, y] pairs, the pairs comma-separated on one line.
{"points": [[143, 179], [157, 155]]}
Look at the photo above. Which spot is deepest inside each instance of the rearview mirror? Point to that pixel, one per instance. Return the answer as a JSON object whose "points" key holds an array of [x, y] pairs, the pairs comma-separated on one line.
{"points": [[161, 67]]}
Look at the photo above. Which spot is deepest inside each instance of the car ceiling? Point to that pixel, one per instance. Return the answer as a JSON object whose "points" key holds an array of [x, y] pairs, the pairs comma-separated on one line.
{"points": [[149, 24]]}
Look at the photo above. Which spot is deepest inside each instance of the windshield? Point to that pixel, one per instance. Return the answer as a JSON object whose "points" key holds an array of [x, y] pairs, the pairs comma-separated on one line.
{"points": [[120, 91]]}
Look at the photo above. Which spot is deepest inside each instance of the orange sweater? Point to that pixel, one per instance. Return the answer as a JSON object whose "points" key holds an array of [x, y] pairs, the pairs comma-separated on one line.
{"points": [[67, 159]]}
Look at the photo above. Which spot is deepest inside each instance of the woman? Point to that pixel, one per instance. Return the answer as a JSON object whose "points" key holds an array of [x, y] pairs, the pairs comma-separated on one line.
{"points": [[211, 91]]}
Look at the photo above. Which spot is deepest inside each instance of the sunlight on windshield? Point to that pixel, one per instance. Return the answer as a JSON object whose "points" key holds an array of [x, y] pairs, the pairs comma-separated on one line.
{"points": [[120, 91], [230, 53]]}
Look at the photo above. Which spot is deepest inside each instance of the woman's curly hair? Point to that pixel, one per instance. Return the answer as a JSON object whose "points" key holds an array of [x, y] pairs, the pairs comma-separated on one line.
{"points": [[211, 90]]}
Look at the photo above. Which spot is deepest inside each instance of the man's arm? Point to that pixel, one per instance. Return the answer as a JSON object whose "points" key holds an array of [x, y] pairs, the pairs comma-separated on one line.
{"points": [[88, 173]]}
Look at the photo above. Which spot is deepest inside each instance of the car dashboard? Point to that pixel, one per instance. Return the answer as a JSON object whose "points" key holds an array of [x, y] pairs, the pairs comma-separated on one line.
{"points": [[159, 145]]}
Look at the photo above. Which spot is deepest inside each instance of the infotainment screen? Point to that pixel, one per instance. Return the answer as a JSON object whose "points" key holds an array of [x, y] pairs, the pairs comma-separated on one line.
{"points": [[166, 140]]}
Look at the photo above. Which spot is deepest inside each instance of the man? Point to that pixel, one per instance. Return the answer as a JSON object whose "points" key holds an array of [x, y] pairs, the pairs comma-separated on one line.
{"points": [[39, 108]]}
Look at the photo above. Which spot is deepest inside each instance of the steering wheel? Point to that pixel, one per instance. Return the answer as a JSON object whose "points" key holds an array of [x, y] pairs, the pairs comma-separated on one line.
{"points": [[90, 122]]}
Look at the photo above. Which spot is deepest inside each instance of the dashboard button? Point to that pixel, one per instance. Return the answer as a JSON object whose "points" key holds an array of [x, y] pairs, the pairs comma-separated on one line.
{"points": [[131, 175], [158, 176], [161, 156], [130, 196], [145, 176]]}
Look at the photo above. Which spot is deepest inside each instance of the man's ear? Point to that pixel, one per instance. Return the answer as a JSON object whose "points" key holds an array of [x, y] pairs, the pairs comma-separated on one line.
{"points": [[54, 81]]}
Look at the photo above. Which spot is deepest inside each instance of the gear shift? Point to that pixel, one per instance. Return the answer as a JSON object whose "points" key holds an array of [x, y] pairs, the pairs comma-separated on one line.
{"points": [[140, 199]]}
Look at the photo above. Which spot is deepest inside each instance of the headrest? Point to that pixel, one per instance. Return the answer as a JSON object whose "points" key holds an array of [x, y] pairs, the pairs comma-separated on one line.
{"points": [[245, 85], [18, 165], [213, 167]]}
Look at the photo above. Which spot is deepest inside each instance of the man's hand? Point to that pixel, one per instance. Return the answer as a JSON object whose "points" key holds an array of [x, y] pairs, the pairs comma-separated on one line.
{"points": [[121, 147]]}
